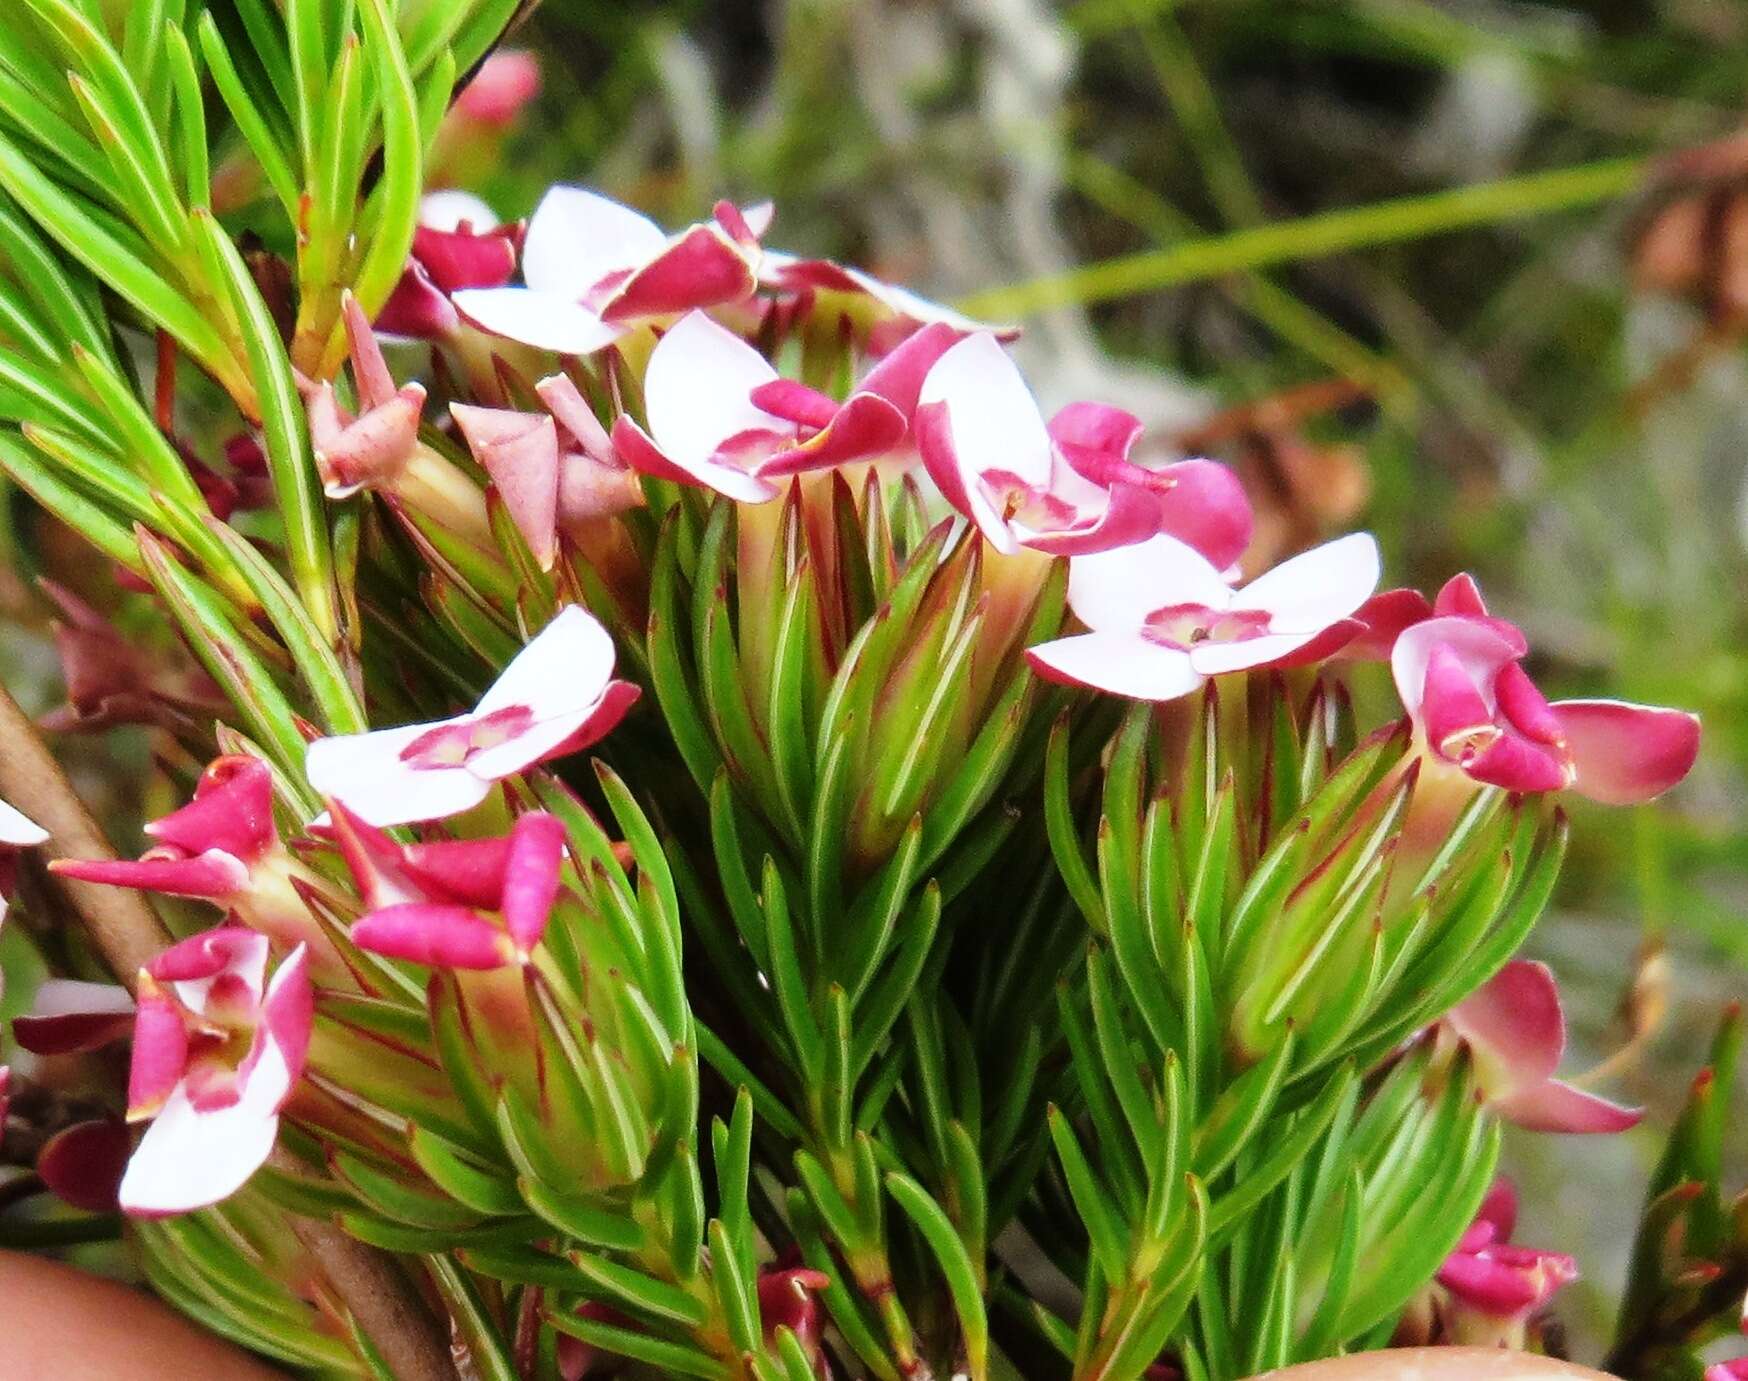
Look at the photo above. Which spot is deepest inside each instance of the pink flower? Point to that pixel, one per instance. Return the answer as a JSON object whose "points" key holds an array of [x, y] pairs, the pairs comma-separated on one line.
{"points": [[1516, 1034], [373, 448], [719, 415], [452, 933], [216, 1053], [592, 268], [1475, 709], [1733, 1370], [504, 84], [898, 310], [788, 1299], [221, 847], [552, 470], [1067, 489], [1495, 1287], [557, 696], [1163, 620]]}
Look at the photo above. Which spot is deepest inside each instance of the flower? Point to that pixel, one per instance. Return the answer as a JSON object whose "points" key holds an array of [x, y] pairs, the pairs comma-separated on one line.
{"points": [[719, 415], [458, 244], [1068, 488], [898, 310], [71, 1017], [1474, 708], [1162, 620], [556, 696], [591, 268], [787, 1299], [452, 933], [1515, 1032], [1493, 1286], [553, 470], [373, 448], [506, 81], [217, 1050], [221, 847], [1734, 1370]]}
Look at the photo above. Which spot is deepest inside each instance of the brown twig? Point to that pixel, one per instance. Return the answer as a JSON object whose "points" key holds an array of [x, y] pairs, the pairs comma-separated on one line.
{"points": [[127, 934]]}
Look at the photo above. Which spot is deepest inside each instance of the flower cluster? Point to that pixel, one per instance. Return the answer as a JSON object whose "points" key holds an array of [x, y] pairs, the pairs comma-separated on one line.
{"points": [[802, 557]]}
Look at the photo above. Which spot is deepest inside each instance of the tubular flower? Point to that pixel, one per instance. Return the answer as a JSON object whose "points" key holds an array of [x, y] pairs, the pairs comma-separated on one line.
{"points": [[554, 471], [1475, 709], [1162, 620], [591, 269], [221, 847], [556, 696], [1494, 1287], [721, 417], [447, 933], [217, 1050], [1516, 1033], [375, 447]]}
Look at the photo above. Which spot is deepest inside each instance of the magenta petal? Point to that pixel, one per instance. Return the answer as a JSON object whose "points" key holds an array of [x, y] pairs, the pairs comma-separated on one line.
{"points": [[642, 454], [1524, 707], [232, 810], [469, 871], [1207, 508], [212, 952], [1460, 595], [160, 1052], [288, 1011], [531, 877], [794, 401], [1333, 640], [701, 268], [865, 427], [1514, 1027], [417, 307], [898, 378], [1451, 705], [1489, 1286], [438, 935], [1554, 1106], [458, 259], [1734, 1370], [213, 875], [1385, 615], [933, 429], [1518, 765], [1499, 1209], [1131, 515], [572, 412], [83, 1164], [1097, 427], [615, 703], [1624, 754]]}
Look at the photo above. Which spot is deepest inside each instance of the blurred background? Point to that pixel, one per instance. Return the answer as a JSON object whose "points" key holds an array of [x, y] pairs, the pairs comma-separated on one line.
{"points": [[1471, 274]]}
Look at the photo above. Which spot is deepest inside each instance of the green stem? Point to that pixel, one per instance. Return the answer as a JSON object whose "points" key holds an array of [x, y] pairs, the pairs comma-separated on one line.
{"points": [[1329, 232]]}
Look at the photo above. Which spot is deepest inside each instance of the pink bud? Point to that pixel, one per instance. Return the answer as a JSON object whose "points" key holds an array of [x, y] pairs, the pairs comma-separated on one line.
{"points": [[438, 935]]}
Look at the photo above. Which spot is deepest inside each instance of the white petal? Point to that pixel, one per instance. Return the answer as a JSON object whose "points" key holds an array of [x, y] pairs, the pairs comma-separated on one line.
{"points": [[56, 997], [1122, 665], [366, 772], [1116, 590], [1315, 588], [18, 829], [577, 237], [697, 390], [189, 1159], [447, 209], [563, 670], [995, 420], [903, 302], [1211, 659], [544, 320]]}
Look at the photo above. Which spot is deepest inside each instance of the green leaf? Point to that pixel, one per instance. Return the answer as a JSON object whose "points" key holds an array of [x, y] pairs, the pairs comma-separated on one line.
{"points": [[251, 122], [961, 1274], [670, 1359], [614, 1284], [1104, 1225], [397, 195], [288, 460]]}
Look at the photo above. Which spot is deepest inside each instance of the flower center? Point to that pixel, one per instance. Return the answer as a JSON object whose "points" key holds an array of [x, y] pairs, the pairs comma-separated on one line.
{"points": [[454, 745], [1183, 626]]}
